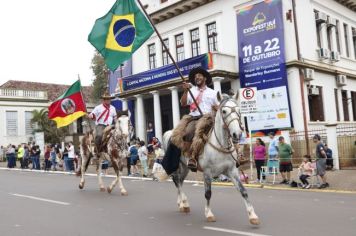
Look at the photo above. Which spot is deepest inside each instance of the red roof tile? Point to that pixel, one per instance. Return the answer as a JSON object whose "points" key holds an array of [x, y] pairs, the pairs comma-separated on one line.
{"points": [[53, 90]]}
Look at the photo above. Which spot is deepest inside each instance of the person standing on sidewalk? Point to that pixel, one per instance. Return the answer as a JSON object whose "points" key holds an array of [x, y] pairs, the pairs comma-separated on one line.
{"points": [[320, 160], [142, 154], [259, 154], [272, 147], [20, 155], [285, 152], [71, 156]]}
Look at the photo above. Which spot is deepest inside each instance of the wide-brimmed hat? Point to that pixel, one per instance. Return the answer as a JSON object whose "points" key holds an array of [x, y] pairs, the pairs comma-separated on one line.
{"points": [[202, 71], [106, 95]]}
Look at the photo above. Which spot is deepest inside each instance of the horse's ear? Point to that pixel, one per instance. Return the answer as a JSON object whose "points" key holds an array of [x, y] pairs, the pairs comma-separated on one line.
{"points": [[122, 113], [218, 96]]}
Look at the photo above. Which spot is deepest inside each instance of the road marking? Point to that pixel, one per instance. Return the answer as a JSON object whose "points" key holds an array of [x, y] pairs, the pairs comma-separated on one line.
{"points": [[233, 231], [40, 199]]}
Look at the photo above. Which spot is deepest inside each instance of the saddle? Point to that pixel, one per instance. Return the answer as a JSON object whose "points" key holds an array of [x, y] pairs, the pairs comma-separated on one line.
{"points": [[192, 134]]}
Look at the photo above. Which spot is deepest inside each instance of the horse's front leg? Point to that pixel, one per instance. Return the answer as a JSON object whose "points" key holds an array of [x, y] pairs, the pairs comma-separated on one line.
{"points": [[115, 165], [85, 159], [182, 200], [99, 169], [234, 175], [207, 184]]}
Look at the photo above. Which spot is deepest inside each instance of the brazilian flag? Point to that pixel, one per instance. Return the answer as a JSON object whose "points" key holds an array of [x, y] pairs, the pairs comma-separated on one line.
{"points": [[120, 32]]}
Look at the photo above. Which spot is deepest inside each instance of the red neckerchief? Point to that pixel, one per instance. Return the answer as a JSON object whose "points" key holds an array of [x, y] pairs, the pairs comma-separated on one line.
{"points": [[198, 99], [106, 111]]}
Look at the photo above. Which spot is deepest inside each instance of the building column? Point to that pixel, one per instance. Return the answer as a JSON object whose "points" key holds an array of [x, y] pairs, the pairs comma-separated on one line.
{"points": [[333, 39], [324, 35], [158, 45], [172, 47], [332, 143], [203, 36], [217, 83], [187, 44], [124, 104], [157, 114], [175, 105], [349, 105], [140, 118]]}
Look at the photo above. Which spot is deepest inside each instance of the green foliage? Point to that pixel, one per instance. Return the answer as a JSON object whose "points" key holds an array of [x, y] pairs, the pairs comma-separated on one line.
{"points": [[51, 133], [100, 71]]}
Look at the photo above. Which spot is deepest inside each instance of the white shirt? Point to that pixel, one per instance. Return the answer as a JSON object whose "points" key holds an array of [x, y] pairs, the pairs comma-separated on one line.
{"points": [[208, 100], [142, 153], [100, 117], [71, 153]]}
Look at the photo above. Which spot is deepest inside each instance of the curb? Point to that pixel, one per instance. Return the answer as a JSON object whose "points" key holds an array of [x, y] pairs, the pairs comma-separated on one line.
{"points": [[196, 182]]}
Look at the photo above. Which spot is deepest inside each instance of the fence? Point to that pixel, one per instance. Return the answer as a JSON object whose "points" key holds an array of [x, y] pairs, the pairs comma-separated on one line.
{"points": [[346, 142], [297, 139]]}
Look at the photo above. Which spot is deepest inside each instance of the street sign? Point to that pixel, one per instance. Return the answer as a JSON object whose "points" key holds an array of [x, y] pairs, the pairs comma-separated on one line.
{"points": [[248, 100]]}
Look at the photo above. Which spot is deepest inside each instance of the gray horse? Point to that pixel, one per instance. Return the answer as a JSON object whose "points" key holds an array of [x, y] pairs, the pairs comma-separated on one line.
{"points": [[219, 156]]}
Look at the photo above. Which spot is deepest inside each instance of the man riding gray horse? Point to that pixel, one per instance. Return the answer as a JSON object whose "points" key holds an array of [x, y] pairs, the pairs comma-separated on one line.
{"points": [[183, 134]]}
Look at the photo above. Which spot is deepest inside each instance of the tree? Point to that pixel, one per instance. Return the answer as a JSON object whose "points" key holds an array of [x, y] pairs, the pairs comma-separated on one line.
{"points": [[100, 71], [51, 133]]}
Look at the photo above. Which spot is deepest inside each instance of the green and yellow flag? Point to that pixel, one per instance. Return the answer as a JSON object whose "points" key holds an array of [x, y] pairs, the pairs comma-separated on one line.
{"points": [[68, 107], [120, 32]]}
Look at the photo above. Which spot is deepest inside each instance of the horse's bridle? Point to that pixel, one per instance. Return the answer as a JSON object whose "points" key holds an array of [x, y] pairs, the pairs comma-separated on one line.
{"points": [[225, 116]]}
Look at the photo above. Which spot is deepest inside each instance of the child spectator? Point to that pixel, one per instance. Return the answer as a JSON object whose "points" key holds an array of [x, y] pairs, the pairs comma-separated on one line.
{"points": [[306, 171]]}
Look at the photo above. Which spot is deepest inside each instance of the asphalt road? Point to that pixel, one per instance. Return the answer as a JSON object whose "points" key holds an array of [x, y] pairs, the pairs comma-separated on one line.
{"points": [[51, 204]]}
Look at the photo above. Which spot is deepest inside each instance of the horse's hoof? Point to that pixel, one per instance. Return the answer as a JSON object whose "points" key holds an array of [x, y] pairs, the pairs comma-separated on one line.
{"points": [[109, 189], [102, 189], [186, 209], [124, 194], [211, 219], [81, 186], [255, 221], [181, 209]]}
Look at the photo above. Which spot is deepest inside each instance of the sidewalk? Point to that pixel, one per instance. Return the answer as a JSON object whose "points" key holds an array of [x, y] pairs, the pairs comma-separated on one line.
{"points": [[342, 180]]}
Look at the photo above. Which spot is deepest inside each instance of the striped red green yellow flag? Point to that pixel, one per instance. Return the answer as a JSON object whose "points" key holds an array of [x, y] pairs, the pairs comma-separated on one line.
{"points": [[68, 107]]}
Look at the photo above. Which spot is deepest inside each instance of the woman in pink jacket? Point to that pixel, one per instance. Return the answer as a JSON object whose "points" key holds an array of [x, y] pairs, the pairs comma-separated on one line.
{"points": [[259, 153]]}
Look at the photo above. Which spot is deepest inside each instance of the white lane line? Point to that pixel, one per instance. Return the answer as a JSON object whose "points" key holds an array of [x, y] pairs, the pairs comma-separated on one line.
{"points": [[40, 199], [233, 231]]}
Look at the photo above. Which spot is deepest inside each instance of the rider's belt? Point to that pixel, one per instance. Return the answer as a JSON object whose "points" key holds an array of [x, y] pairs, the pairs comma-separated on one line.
{"points": [[103, 125], [196, 117]]}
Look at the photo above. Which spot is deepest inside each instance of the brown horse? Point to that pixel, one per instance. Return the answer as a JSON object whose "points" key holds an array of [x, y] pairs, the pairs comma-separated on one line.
{"points": [[116, 150]]}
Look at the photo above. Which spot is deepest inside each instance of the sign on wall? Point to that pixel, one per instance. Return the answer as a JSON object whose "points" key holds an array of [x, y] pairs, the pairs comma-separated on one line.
{"points": [[262, 63], [248, 100]]}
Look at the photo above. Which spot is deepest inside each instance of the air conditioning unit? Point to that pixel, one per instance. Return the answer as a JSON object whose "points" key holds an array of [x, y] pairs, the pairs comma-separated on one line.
{"points": [[313, 91], [320, 17], [334, 56], [331, 22], [323, 53], [341, 80], [308, 74]]}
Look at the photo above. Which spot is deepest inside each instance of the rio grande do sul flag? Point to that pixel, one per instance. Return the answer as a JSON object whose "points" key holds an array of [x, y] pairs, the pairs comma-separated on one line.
{"points": [[68, 107], [120, 32]]}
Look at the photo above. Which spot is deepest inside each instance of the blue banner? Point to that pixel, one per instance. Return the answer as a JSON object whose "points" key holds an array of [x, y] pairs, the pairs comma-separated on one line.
{"points": [[165, 73], [262, 63]]}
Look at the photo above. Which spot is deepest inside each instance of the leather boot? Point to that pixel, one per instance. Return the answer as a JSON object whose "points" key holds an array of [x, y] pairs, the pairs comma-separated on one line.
{"points": [[192, 165]]}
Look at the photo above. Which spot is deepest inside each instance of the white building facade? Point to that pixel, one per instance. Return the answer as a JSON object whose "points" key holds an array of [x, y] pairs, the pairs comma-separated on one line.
{"points": [[322, 76]]}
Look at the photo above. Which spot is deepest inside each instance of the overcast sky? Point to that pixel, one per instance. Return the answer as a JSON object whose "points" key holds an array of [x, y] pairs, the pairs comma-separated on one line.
{"points": [[46, 40]]}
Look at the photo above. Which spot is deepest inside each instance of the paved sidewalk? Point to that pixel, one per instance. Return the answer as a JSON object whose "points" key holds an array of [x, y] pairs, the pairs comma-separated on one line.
{"points": [[342, 180]]}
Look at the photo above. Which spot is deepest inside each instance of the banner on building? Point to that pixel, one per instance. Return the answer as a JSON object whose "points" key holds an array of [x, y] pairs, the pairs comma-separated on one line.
{"points": [[167, 72], [262, 63]]}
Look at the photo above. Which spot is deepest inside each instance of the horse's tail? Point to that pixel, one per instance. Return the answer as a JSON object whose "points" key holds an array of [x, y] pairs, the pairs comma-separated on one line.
{"points": [[166, 137], [160, 173]]}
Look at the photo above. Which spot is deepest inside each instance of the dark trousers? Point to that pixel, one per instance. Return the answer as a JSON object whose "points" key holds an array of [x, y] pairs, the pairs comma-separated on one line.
{"points": [[304, 178], [47, 164], [259, 164], [171, 158], [128, 165]]}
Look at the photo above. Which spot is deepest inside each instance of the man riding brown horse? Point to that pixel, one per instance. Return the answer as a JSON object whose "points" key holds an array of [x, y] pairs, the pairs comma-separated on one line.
{"points": [[183, 134]]}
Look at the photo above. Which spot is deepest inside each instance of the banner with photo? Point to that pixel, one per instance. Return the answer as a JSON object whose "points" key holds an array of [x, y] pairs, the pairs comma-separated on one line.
{"points": [[262, 64]]}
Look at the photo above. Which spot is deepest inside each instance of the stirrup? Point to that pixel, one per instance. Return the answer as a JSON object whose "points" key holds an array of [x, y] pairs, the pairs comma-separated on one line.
{"points": [[192, 165]]}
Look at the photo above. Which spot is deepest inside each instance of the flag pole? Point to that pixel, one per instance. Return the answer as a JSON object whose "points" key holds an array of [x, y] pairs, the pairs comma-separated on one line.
{"points": [[169, 54], [86, 109]]}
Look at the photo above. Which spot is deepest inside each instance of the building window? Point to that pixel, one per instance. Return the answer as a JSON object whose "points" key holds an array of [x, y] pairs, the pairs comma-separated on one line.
{"points": [[28, 124], [354, 40], [212, 37], [194, 37], [346, 36], [337, 30], [180, 47], [353, 100], [337, 105], [316, 106], [345, 105], [11, 123], [165, 57], [152, 55]]}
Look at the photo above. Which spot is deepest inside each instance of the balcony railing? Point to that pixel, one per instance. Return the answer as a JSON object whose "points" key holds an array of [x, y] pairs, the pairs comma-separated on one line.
{"points": [[23, 94]]}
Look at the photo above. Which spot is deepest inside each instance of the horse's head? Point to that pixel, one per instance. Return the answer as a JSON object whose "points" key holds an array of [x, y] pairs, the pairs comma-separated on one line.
{"points": [[123, 123], [230, 117]]}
